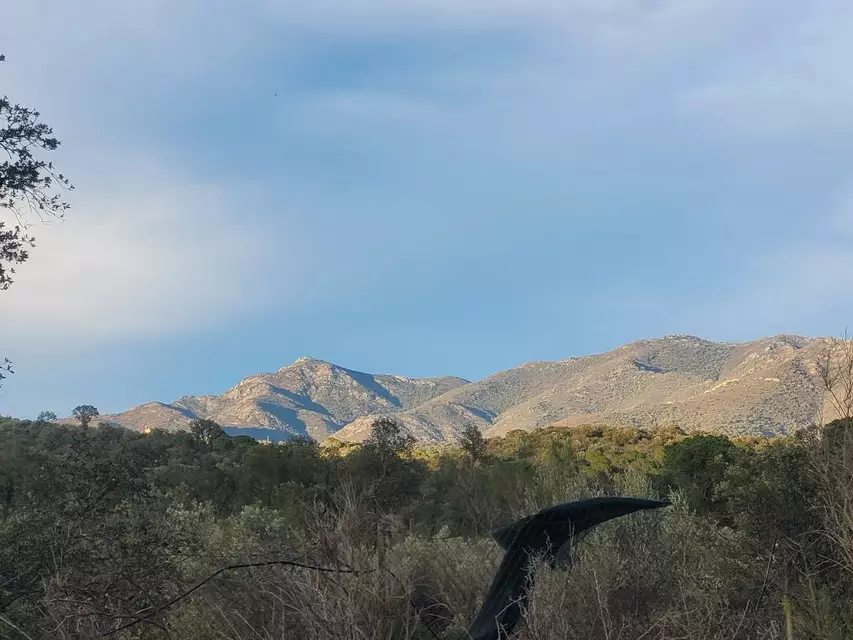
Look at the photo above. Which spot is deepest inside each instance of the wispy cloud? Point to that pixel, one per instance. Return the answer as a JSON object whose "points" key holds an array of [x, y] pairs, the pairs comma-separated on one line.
{"points": [[795, 83], [147, 255]]}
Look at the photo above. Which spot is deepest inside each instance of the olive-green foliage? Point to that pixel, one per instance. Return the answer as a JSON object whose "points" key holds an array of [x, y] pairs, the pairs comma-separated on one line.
{"points": [[698, 465], [769, 492], [82, 526], [206, 431], [85, 413], [98, 524], [473, 443]]}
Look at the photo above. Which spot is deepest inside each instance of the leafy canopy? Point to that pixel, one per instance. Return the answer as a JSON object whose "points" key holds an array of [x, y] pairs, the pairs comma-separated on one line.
{"points": [[85, 413]]}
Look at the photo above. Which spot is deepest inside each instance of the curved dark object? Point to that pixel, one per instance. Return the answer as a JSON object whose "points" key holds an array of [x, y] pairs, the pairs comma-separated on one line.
{"points": [[542, 533]]}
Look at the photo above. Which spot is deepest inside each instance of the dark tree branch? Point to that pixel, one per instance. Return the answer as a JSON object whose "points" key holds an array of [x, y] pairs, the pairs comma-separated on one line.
{"points": [[27, 183]]}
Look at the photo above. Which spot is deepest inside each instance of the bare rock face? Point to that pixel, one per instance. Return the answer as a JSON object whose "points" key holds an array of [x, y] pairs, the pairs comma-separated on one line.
{"points": [[768, 386]]}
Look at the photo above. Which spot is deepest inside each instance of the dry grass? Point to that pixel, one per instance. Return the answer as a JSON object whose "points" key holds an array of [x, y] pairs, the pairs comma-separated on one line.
{"points": [[665, 575], [832, 464]]}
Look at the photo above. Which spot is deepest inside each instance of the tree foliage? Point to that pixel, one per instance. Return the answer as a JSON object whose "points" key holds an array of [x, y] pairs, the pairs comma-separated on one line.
{"points": [[206, 431], [387, 438], [85, 413], [5, 368], [698, 465], [28, 182], [473, 443]]}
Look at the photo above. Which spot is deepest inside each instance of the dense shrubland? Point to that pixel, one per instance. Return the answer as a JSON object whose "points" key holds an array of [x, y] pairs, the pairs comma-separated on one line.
{"points": [[102, 527]]}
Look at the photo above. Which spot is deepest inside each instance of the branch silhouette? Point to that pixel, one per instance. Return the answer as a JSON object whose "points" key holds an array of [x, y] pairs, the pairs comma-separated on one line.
{"points": [[248, 565]]}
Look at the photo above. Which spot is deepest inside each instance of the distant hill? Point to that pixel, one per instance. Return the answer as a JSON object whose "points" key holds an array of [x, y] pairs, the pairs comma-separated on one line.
{"points": [[309, 397], [767, 386]]}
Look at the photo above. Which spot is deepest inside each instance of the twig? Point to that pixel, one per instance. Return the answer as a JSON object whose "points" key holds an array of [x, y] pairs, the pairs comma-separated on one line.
{"points": [[14, 626], [176, 599], [415, 607], [763, 585]]}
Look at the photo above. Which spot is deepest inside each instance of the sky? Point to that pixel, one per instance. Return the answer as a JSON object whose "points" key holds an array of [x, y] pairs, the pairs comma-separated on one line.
{"points": [[421, 187]]}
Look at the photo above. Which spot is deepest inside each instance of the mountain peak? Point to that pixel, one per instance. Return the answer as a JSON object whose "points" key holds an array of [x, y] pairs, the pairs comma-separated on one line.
{"points": [[307, 361]]}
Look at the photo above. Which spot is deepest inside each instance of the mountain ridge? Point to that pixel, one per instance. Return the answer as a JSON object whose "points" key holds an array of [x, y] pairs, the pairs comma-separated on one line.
{"points": [[308, 397], [764, 386]]}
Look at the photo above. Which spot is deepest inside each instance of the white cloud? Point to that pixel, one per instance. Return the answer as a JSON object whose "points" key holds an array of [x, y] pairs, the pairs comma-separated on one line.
{"points": [[152, 256], [148, 248], [797, 83]]}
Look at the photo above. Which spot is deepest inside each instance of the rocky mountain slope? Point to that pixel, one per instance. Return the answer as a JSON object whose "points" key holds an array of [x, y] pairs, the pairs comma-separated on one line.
{"points": [[310, 397], [766, 386]]}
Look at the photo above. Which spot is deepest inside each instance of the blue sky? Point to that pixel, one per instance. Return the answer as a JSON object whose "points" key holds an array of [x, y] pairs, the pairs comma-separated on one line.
{"points": [[422, 188]]}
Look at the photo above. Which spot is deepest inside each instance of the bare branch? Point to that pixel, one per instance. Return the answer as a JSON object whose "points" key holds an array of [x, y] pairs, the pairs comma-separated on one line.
{"points": [[835, 368], [188, 592]]}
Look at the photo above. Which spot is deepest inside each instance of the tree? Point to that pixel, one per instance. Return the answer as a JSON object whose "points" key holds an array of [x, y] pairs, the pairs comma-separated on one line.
{"points": [[697, 465], [380, 467], [769, 490], [206, 431], [386, 437], [27, 183], [46, 416], [5, 367], [835, 367], [473, 443], [84, 413]]}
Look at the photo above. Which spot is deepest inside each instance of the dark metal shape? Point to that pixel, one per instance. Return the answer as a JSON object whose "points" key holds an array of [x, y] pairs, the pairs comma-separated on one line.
{"points": [[543, 533]]}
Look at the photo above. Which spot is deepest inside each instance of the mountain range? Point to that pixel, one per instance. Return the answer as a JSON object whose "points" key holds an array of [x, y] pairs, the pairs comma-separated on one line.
{"points": [[767, 386]]}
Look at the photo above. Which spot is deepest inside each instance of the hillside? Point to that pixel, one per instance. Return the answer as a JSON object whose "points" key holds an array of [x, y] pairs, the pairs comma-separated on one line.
{"points": [[309, 397], [767, 386], [762, 387]]}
